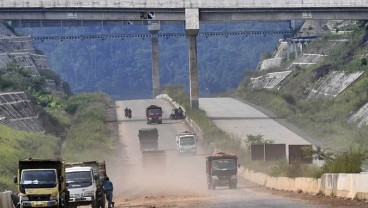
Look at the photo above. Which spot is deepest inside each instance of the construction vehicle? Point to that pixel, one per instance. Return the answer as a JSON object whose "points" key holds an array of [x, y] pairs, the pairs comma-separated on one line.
{"points": [[221, 170], [154, 114], [186, 143], [84, 181], [148, 138], [41, 183]]}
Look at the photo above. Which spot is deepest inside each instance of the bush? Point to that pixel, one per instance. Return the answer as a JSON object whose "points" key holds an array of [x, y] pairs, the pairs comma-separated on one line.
{"points": [[348, 162]]}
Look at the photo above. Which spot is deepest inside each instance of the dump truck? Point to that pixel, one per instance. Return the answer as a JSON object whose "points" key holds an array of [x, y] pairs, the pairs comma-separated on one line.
{"points": [[186, 143], [222, 170], [154, 160], [84, 180], [41, 183], [154, 114], [148, 138]]}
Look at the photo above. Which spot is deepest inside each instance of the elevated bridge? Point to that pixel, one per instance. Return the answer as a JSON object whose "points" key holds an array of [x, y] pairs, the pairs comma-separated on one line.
{"points": [[189, 11]]}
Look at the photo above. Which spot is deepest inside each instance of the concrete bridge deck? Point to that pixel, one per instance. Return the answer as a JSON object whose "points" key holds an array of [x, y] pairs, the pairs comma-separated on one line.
{"points": [[182, 4]]}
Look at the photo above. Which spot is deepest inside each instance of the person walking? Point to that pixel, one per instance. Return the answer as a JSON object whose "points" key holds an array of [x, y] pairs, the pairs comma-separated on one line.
{"points": [[108, 189]]}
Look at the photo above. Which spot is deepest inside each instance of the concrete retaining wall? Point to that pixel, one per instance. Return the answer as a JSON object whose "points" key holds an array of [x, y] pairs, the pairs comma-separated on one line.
{"points": [[353, 186], [306, 185], [271, 63], [5, 199]]}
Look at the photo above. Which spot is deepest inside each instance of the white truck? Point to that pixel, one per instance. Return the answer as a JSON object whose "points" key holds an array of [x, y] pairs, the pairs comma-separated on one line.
{"points": [[186, 143], [85, 185]]}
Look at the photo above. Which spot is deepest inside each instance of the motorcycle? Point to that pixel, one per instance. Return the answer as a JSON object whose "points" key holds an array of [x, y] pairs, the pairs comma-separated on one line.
{"points": [[177, 114], [128, 113]]}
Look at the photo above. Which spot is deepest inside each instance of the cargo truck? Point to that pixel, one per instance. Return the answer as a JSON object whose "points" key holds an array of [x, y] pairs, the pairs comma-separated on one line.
{"points": [[41, 183], [84, 181], [148, 138], [154, 114], [221, 170]]}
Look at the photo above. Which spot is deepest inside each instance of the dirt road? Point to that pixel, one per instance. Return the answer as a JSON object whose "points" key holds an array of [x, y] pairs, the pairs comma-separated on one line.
{"points": [[183, 182]]}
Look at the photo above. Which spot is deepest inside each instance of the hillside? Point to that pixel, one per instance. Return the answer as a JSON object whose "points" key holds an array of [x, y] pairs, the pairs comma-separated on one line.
{"points": [[322, 88], [122, 67]]}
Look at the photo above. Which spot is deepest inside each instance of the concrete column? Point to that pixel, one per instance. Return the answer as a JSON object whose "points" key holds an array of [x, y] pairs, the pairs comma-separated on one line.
{"points": [[295, 49], [287, 50], [193, 71], [154, 27], [192, 29], [155, 67]]}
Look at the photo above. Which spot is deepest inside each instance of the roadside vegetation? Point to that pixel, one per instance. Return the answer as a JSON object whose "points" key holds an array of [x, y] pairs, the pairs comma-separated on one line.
{"points": [[75, 125]]}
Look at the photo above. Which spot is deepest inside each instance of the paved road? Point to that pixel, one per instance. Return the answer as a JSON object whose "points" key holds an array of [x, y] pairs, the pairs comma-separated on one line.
{"points": [[183, 184], [240, 120]]}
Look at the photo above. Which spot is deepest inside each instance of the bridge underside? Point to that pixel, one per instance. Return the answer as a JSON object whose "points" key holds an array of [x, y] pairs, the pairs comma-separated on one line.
{"points": [[179, 14]]}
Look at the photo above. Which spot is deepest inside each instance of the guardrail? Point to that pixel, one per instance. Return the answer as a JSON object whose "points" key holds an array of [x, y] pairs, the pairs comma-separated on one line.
{"points": [[5, 199]]}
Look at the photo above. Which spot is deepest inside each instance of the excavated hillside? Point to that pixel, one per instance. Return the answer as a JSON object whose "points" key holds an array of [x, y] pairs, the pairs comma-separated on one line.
{"points": [[319, 83]]}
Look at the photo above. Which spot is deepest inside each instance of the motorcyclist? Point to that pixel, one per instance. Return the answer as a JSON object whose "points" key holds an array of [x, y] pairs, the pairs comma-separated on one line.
{"points": [[129, 113], [126, 111]]}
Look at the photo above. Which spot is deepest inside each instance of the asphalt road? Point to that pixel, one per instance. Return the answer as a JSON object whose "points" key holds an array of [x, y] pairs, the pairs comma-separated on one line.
{"points": [[183, 182], [240, 120]]}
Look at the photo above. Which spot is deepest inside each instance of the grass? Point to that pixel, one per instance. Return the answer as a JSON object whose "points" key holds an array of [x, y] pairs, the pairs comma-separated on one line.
{"points": [[87, 138]]}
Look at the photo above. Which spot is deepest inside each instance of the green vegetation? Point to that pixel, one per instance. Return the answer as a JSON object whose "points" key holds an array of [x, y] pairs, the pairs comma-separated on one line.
{"points": [[88, 137], [75, 125]]}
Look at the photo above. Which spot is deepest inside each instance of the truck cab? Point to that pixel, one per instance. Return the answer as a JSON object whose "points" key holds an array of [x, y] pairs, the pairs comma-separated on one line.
{"points": [[154, 114], [222, 170], [84, 181], [41, 183], [82, 185], [186, 143]]}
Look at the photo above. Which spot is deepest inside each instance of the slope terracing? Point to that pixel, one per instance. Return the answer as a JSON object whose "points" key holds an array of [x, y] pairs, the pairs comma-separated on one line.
{"points": [[16, 110]]}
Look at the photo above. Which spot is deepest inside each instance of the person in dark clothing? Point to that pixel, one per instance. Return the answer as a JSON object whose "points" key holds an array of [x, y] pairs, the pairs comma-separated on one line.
{"points": [[126, 112], [108, 189]]}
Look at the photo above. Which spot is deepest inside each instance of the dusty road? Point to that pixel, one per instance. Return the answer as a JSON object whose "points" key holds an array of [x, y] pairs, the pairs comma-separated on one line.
{"points": [[183, 182]]}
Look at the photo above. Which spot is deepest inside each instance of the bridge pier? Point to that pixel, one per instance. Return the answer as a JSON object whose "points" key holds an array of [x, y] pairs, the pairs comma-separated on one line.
{"points": [[154, 27], [192, 29]]}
